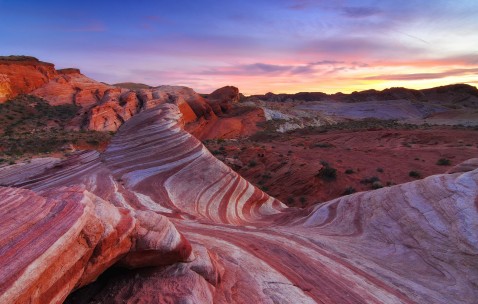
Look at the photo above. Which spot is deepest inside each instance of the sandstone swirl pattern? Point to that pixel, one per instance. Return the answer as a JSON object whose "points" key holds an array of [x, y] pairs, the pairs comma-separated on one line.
{"points": [[411, 243]]}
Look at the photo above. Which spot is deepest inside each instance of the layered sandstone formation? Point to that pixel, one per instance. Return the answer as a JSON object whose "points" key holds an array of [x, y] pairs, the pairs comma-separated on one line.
{"points": [[102, 107], [65, 238], [72, 87], [411, 243], [23, 74]]}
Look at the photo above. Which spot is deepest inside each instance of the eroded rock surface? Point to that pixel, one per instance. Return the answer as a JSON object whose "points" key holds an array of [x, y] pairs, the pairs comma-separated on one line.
{"points": [[64, 238], [72, 88], [223, 99], [23, 74], [411, 243]]}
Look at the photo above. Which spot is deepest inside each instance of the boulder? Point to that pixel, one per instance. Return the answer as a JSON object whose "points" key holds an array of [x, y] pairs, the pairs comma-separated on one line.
{"points": [[222, 99]]}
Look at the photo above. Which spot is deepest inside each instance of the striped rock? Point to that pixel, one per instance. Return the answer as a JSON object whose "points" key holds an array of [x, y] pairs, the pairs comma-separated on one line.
{"points": [[411, 243], [65, 238]]}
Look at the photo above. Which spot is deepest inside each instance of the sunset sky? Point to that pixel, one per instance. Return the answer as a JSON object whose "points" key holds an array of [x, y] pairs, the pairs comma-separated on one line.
{"points": [[258, 46]]}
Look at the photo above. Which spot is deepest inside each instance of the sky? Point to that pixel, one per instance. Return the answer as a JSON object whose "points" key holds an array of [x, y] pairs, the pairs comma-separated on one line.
{"points": [[260, 46]]}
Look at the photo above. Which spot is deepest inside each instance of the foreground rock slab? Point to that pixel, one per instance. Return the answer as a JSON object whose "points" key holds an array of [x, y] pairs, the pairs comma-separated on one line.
{"points": [[65, 238]]}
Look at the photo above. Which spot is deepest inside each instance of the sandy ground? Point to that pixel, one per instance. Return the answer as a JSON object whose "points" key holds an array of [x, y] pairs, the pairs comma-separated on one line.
{"points": [[287, 167]]}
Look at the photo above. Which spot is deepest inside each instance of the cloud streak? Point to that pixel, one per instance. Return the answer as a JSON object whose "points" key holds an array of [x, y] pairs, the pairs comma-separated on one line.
{"points": [[422, 76], [360, 12]]}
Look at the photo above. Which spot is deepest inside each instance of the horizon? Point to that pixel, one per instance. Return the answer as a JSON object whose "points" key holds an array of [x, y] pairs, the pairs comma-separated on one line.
{"points": [[285, 46]]}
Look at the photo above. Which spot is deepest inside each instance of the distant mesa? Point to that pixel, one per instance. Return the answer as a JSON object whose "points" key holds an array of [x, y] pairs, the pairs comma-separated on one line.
{"points": [[372, 95]]}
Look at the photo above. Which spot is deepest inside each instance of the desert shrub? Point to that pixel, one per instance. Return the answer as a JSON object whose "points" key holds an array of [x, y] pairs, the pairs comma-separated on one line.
{"points": [[290, 200], [252, 163], [414, 174], [444, 162], [323, 145], [380, 170], [377, 185], [327, 173], [349, 171], [349, 190], [370, 180]]}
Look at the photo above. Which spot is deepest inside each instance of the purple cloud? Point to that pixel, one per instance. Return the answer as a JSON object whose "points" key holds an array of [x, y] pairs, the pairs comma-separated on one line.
{"points": [[257, 69], [300, 4], [422, 76], [360, 12]]}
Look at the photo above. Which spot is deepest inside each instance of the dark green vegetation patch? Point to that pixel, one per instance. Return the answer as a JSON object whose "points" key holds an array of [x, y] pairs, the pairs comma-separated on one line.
{"points": [[30, 126]]}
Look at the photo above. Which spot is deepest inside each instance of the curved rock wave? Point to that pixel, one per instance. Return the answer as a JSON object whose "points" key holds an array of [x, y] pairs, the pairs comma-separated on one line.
{"points": [[411, 243], [66, 237]]}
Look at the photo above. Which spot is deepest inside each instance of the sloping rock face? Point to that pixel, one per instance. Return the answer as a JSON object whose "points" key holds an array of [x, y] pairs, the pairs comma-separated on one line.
{"points": [[72, 87], [22, 74], [411, 243], [466, 166], [190, 103], [115, 108], [64, 238], [238, 122]]}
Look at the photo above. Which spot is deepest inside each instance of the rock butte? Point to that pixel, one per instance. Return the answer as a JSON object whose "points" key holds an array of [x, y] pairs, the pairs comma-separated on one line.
{"points": [[105, 107], [157, 197]]}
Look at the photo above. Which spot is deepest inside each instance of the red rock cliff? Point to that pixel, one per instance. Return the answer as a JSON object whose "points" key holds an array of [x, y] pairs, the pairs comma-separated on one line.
{"points": [[23, 74]]}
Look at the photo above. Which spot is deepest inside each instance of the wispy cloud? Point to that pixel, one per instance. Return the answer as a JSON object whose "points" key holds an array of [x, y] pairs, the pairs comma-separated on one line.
{"points": [[318, 67], [86, 27], [360, 12], [299, 4], [423, 76]]}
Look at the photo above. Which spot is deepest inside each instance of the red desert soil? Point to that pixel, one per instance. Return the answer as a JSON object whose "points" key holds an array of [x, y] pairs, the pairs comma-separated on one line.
{"points": [[287, 167]]}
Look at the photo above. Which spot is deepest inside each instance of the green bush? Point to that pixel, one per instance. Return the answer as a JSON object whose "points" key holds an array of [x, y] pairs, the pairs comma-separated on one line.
{"points": [[327, 173], [414, 174], [443, 162], [349, 190], [377, 185], [323, 145], [370, 180]]}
